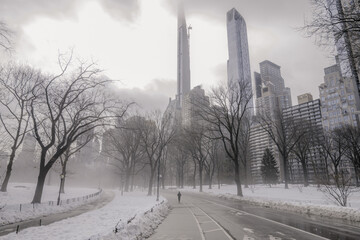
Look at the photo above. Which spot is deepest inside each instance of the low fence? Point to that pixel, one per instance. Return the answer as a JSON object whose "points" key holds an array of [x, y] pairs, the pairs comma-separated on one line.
{"points": [[34, 206]]}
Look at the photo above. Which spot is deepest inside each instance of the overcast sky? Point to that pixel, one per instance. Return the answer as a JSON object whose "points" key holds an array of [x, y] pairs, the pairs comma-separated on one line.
{"points": [[135, 41]]}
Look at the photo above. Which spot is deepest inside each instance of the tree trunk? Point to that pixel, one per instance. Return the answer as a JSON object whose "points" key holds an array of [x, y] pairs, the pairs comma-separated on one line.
{"points": [[62, 185], [177, 180], [218, 177], [151, 182], [356, 176], [286, 171], [305, 172], [200, 177], [127, 180], [194, 177], [246, 185], [40, 186], [210, 182], [182, 177], [237, 179], [62, 179], [8, 172], [132, 177]]}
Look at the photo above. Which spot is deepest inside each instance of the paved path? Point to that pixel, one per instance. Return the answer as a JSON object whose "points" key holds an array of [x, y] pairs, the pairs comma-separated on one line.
{"points": [[204, 217], [188, 222]]}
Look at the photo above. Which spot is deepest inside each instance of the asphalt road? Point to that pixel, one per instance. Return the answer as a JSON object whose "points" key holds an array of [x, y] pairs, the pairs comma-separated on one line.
{"points": [[203, 217], [104, 199]]}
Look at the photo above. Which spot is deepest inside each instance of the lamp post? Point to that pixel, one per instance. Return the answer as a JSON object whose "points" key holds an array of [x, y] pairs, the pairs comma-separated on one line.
{"points": [[61, 179]]}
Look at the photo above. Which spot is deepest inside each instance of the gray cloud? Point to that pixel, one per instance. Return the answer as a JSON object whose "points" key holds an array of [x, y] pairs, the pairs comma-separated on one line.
{"points": [[263, 11], [122, 9], [17, 12], [154, 96]]}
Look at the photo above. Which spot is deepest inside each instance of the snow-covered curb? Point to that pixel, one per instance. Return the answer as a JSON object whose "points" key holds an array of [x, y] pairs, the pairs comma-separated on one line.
{"points": [[12, 214], [345, 213], [140, 226]]}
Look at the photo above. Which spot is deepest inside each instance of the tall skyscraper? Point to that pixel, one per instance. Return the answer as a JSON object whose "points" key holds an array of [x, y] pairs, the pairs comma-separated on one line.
{"points": [[183, 56], [271, 77], [238, 66], [258, 84], [271, 98]]}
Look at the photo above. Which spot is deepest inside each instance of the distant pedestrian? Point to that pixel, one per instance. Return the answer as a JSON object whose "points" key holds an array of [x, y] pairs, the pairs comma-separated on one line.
{"points": [[179, 196]]}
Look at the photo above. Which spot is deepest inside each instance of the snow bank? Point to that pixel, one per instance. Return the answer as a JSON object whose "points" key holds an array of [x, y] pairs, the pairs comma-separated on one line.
{"points": [[345, 213], [304, 200], [139, 226]]}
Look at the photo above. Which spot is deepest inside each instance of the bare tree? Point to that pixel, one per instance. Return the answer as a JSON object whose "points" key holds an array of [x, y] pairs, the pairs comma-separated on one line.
{"points": [[339, 186], [244, 146], [212, 161], [335, 148], [180, 156], [285, 133], [5, 37], [155, 134], [17, 84], [339, 23], [351, 136], [66, 156], [73, 104], [302, 148], [124, 147], [230, 105], [341, 189], [197, 144]]}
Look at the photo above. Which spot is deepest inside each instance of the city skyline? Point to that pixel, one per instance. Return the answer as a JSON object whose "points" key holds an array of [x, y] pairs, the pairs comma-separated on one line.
{"points": [[120, 46]]}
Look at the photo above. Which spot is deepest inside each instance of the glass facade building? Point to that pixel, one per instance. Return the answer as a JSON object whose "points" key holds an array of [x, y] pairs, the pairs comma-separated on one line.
{"points": [[238, 66]]}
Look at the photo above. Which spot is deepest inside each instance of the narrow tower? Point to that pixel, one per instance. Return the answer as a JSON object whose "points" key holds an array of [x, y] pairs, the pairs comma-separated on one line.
{"points": [[183, 58], [239, 62]]}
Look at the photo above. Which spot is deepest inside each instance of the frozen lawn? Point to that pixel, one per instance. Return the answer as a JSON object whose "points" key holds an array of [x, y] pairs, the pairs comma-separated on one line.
{"points": [[22, 193], [19, 197]]}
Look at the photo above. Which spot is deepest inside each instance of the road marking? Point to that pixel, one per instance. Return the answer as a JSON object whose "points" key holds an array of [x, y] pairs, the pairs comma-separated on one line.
{"points": [[197, 222], [248, 230], [246, 237], [280, 233], [205, 222], [240, 214], [271, 237], [222, 229], [266, 219], [213, 230]]}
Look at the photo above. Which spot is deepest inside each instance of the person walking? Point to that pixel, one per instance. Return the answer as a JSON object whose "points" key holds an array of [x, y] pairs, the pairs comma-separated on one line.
{"points": [[179, 196]]}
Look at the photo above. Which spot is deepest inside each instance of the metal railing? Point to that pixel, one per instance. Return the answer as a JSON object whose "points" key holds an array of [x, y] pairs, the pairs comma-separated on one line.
{"points": [[33, 206]]}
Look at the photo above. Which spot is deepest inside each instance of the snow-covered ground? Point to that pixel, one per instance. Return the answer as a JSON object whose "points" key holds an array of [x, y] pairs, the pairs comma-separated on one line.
{"points": [[20, 193], [15, 204], [135, 215], [132, 215], [297, 198]]}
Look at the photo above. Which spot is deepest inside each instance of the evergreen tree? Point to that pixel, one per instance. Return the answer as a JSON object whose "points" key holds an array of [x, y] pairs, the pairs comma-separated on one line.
{"points": [[269, 169]]}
